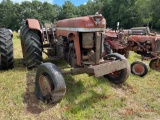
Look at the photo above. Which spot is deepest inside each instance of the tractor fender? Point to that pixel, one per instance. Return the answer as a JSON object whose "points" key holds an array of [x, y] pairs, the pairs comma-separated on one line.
{"points": [[112, 46], [34, 24]]}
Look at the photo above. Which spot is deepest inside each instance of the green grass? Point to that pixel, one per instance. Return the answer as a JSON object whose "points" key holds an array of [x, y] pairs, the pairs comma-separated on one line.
{"points": [[87, 98]]}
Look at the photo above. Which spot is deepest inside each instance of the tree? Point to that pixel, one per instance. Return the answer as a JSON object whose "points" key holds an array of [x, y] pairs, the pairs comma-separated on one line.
{"points": [[122, 11], [155, 13], [129, 13], [48, 13], [68, 10], [6, 9]]}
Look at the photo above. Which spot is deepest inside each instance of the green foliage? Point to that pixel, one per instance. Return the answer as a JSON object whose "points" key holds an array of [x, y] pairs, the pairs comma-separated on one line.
{"points": [[68, 10], [129, 13], [158, 24]]}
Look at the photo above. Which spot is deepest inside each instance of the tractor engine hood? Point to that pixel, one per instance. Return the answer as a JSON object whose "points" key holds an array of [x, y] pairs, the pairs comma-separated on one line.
{"points": [[82, 24]]}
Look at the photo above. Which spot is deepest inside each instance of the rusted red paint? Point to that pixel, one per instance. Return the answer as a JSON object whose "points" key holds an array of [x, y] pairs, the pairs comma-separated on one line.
{"points": [[121, 42], [76, 42], [33, 24], [81, 22], [138, 68], [109, 33], [75, 25], [142, 38]]}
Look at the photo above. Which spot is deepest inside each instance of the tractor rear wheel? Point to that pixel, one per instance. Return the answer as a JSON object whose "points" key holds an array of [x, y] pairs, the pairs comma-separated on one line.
{"points": [[23, 33], [24, 30], [6, 49], [50, 84], [119, 76], [155, 64], [139, 68], [32, 49]]}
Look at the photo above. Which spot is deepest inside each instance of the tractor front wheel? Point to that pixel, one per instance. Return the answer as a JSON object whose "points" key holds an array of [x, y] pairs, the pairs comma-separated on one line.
{"points": [[155, 64], [50, 84], [119, 76], [139, 68]]}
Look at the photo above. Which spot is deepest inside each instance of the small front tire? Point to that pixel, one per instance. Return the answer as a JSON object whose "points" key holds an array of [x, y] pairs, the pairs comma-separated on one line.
{"points": [[119, 76], [155, 64], [139, 68], [50, 84]]}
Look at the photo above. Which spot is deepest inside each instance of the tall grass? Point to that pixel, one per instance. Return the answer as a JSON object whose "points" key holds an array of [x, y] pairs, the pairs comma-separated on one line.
{"points": [[86, 98]]}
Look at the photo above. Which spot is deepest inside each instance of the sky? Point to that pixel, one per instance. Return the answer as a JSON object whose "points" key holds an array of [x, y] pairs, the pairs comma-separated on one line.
{"points": [[59, 2], [75, 2]]}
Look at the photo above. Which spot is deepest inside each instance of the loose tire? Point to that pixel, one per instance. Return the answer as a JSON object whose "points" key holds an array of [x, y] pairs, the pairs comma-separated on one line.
{"points": [[50, 84], [155, 64], [119, 76], [32, 49], [6, 49], [139, 68]]}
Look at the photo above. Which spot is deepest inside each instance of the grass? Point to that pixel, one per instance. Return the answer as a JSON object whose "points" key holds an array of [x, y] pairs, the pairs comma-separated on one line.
{"points": [[86, 98]]}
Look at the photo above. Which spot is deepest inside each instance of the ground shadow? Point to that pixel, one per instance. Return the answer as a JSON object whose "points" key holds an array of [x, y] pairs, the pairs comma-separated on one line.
{"points": [[75, 88], [33, 104], [17, 66], [29, 96], [18, 63]]}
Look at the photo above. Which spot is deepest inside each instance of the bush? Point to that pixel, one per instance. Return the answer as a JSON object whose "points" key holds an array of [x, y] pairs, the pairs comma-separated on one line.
{"points": [[157, 25]]}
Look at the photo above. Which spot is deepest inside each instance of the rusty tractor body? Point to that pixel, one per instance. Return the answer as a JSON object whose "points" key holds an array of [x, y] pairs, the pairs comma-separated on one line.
{"points": [[80, 42], [141, 41], [117, 42]]}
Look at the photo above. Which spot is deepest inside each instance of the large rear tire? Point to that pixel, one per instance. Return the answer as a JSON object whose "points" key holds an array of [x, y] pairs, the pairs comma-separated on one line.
{"points": [[50, 84], [6, 49], [24, 30], [32, 49], [119, 76]]}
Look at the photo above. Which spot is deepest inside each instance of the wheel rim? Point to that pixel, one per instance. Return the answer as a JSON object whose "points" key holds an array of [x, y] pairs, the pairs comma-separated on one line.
{"points": [[138, 69], [155, 64], [45, 85]]}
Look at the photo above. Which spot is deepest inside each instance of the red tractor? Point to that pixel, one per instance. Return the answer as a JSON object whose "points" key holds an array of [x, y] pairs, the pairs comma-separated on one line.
{"points": [[80, 42], [139, 40], [6, 49]]}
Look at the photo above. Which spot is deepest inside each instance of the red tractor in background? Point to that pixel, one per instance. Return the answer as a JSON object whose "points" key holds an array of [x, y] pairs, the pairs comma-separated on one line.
{"points": [[139, 40], [80, 42]]}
